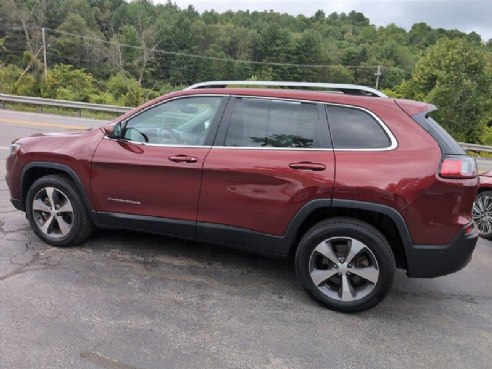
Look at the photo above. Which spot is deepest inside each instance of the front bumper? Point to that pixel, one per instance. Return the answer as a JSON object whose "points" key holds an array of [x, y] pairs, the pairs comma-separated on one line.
{"points": [[12, 176], [17, 204], [428, 261]]}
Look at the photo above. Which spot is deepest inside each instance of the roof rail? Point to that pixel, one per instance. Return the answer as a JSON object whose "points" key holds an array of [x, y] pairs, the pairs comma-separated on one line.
{"points": [[336, 87]]}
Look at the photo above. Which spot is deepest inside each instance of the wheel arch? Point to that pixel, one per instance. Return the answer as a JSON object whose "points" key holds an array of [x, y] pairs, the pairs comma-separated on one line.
{"points": [[35, 170], [484, 189], [386, 219]]}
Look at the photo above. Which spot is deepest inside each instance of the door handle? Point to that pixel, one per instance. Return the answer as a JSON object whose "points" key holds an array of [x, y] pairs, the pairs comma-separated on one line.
{"points": [[305, 165], [183, 159]]}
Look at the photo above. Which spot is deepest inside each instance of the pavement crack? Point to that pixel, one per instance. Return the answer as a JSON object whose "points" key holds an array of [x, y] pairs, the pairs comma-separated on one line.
{"points": [[44, 260], [104, 362], [152, 269], [23, 268], [140, 269], [18, 230]]}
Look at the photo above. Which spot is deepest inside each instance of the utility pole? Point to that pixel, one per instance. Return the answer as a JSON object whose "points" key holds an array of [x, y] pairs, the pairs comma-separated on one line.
{"points": [[377, 74], [44, 53]]}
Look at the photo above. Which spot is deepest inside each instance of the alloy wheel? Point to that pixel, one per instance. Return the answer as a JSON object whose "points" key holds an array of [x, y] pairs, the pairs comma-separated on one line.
{"points": [[482, 214], [53, 212], [344, 269]]}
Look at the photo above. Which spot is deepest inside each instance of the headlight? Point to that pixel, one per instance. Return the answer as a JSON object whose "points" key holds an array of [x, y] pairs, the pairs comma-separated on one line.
{"points": [[14, 148]]}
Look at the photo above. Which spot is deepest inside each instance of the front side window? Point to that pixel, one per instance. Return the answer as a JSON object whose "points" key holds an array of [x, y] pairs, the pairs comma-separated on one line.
{"points": [[183, 121], [355, 129], [272, 123]]}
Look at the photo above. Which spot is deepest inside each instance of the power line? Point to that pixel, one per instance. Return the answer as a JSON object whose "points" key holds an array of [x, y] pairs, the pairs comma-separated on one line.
{"points": [[214, 58], [63, 57]]}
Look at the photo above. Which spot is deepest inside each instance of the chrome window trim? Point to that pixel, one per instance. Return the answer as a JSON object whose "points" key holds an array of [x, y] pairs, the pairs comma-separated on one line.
{"points": [[272, 148], [393, 141], [159, 145]]}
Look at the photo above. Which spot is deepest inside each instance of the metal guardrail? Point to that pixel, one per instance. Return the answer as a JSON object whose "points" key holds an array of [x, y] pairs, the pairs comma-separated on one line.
{"points": [[475, 147], [77, 105]]}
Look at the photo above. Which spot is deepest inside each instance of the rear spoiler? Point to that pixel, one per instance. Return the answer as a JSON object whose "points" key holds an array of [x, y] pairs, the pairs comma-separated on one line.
{"points": [[414, 107]]}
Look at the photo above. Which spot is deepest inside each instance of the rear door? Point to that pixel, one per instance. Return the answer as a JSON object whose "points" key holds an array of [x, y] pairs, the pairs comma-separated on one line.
{"points": [[269, 159]]}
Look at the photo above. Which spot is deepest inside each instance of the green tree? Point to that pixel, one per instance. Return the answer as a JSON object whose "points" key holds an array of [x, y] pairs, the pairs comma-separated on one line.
{"points": [[14, 81], [422, 35], [2, 50], [308, 50], [126, 91], [74, 44], [393, 76], [454, 75], [67, 83]]}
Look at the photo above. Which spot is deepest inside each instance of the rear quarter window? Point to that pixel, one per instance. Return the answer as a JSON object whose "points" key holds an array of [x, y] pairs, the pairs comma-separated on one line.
{"points": [[447, 143], [353, 128]]}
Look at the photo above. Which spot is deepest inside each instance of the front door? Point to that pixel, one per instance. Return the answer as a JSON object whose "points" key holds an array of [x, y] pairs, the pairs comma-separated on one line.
{"points": [[155, 170]]}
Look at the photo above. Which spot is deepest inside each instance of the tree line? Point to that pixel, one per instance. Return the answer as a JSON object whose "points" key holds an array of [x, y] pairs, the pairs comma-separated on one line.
{"points": [[119, 52]]}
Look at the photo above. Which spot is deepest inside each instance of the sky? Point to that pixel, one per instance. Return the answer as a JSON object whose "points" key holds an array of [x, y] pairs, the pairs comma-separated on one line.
{"points": [[464, 15]]}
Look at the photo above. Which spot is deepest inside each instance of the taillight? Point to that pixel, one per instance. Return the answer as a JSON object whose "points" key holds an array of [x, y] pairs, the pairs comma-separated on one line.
{"points": [[458, 167]]}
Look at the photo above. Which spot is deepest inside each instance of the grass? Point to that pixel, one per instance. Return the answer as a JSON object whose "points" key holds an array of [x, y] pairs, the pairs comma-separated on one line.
{"points": [[480, 154]]}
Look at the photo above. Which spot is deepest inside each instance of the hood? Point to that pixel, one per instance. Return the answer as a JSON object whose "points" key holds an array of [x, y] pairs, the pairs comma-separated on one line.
{"points": [[70, 133], [66, 145], [48, 135]]}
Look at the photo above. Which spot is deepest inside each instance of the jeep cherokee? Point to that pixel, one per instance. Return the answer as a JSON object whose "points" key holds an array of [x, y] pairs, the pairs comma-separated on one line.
{"points": [[349, 184]]}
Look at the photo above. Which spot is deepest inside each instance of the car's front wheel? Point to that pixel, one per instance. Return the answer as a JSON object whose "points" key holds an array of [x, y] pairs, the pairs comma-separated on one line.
{"points": [[346, 264], [482, 214], [56, 212]]}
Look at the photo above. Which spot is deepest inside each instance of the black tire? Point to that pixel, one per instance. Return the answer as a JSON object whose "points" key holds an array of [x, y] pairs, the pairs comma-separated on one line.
{"points": [[81, 223], [372, 239], [482, 217]]}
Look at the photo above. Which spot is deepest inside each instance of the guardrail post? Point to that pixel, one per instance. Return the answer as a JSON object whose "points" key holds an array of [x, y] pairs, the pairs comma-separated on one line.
{"points": [[2, 106], [79, 113]]}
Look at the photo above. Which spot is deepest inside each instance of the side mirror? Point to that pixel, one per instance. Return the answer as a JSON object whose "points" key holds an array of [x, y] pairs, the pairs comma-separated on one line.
{"points": [[113, 131]]}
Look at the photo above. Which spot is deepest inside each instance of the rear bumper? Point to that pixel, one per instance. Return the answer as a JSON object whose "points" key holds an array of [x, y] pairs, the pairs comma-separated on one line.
{"points": [[428, 261]]}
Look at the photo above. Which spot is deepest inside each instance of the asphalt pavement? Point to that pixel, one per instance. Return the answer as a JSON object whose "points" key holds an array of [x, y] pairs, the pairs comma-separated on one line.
{"points": [[128, 300]]}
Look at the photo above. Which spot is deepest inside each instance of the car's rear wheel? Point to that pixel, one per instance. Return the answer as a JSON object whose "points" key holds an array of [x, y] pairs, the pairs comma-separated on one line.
{"points": [[346, 264], [56, 211], [482, 213]]}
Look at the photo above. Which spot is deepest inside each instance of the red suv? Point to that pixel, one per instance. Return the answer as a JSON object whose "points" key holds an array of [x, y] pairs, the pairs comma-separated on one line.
{"points": [[348, 184]]}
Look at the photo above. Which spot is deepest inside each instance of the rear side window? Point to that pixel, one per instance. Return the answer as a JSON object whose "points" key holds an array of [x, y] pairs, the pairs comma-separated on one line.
{"points": [[355, 129], [447, 143], [272, 123]]}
